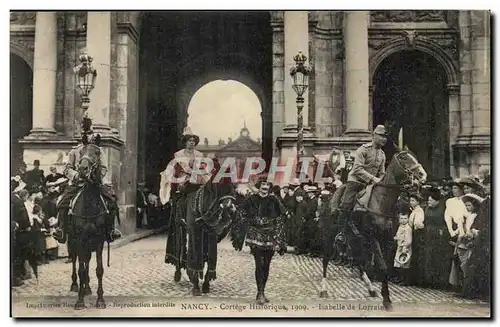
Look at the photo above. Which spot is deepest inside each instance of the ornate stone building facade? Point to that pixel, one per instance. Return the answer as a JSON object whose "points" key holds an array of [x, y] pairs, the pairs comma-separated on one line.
{"points": [[239, 149], [425, 71]]}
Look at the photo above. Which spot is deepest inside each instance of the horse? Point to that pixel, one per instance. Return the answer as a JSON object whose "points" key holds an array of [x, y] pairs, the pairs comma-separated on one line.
{"points": [[372, 216], [214, 212], [89, 222]]}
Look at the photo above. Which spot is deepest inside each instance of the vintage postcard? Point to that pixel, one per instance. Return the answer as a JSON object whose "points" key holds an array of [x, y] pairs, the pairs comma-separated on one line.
{"points": [[250, 163]]}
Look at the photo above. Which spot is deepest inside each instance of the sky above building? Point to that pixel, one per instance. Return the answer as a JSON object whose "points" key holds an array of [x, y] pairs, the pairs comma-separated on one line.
{"points": [[219, 109]]}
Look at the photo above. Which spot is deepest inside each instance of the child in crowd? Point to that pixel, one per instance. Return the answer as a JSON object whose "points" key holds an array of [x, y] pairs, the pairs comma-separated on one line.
{"points": [[404, 239]]}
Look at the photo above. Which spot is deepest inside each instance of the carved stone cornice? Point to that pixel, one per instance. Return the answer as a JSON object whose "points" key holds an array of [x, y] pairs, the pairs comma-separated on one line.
{"points": [[447, 39], [453, 89], [23, 17], [129, 29], [326, 33], [405, 16]]}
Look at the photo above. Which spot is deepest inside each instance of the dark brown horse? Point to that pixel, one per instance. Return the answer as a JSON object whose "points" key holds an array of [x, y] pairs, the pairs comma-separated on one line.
{"points": [[211, 209], [88, 224], [371, 220]]}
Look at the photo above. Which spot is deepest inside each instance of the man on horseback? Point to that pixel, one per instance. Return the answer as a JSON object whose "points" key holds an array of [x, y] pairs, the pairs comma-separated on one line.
{"points": [[368, 168], [75, 176]]}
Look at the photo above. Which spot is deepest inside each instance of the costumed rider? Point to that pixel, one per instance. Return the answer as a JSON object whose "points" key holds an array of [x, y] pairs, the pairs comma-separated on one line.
{"points": [[368, 168], [262, 221], [75, 175]]}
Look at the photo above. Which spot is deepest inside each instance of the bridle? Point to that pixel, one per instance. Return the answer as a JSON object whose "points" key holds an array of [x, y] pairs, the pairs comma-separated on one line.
{"points": [[91, 169], [412, 171]]}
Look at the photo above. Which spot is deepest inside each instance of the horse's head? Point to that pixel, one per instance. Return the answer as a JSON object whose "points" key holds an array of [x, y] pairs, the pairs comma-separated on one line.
{"points": [[409, 170], [89, 167]]}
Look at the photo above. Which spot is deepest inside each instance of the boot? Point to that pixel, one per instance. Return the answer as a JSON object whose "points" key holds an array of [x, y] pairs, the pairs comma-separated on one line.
{"points": [[114, 235], [337, 260], [59, 235], [260, 298]]}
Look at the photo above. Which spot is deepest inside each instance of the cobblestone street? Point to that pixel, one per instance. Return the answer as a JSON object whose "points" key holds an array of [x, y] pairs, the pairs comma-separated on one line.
{"points": [[138, 270]]}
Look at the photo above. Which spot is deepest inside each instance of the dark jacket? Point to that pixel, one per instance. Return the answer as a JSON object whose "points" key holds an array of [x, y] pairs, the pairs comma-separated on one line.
{"points": [[19, 212]]}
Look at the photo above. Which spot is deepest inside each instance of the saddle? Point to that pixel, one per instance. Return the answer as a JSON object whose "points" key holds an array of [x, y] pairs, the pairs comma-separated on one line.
{"points": [[78, 194], [363, 198]]}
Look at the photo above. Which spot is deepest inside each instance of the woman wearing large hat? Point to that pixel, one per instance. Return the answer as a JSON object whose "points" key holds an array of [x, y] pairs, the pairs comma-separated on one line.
{"points": [[180, 195]]}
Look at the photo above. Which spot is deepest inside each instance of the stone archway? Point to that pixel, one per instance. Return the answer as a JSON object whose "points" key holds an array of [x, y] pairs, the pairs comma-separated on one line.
{"points": [[410, 92], [21, 106], [197, 74], [413, 42], [181, 51]]}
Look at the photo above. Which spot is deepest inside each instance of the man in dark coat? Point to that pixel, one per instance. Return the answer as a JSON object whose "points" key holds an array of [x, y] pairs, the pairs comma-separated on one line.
{"points": [[35, 177], [23, 246]]}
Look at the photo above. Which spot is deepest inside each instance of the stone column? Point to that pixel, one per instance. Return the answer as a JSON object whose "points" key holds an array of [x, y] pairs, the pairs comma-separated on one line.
{"points": [[454, 122], [481, 80], [296, 39], [278, 112], [99, 48], [44, 74], [357, 72]]}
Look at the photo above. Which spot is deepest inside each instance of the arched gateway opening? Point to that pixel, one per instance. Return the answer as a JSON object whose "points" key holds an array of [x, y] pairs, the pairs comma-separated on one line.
{"points": [[182, 51], [21, 107], [410, 92]]}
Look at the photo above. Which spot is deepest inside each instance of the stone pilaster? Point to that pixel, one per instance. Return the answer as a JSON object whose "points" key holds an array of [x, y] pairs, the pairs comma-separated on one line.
{"points": [[323, 72], [296, 39], [99, 48], [481, 76], [44, 75], [357, 73], [125, 103], [278, 74]]}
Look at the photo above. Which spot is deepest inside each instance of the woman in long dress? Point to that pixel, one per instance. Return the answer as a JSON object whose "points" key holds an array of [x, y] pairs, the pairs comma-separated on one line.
{"points": [[178, 187], [417, 224], [436, 255], [477, 281]]}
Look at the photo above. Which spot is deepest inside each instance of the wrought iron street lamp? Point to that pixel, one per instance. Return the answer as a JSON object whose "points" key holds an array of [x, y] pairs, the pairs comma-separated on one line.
{"points": [[300, 76], [86, 76]]}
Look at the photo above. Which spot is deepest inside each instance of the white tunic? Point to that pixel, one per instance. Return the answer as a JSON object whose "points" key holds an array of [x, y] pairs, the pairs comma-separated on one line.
{"points": [[455, 212]]}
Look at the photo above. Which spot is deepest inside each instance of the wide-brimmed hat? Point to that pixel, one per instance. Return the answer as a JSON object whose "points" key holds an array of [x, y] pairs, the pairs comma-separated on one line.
{"points": [[187, 133], [453, 182], [473, 198], [21, 186], [380, 130], [469, 181], [310, 188], [403, 258], [295, 182], [434, 193]]}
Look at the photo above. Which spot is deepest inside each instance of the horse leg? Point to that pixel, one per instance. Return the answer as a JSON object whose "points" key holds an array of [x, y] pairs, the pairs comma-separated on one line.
{"points": [[368, 282], [87, 289], [327, 253], [196, 284], [82, 275], [384, 291], [74, 284], [205, 288], [99, 270], [177, 274]]}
